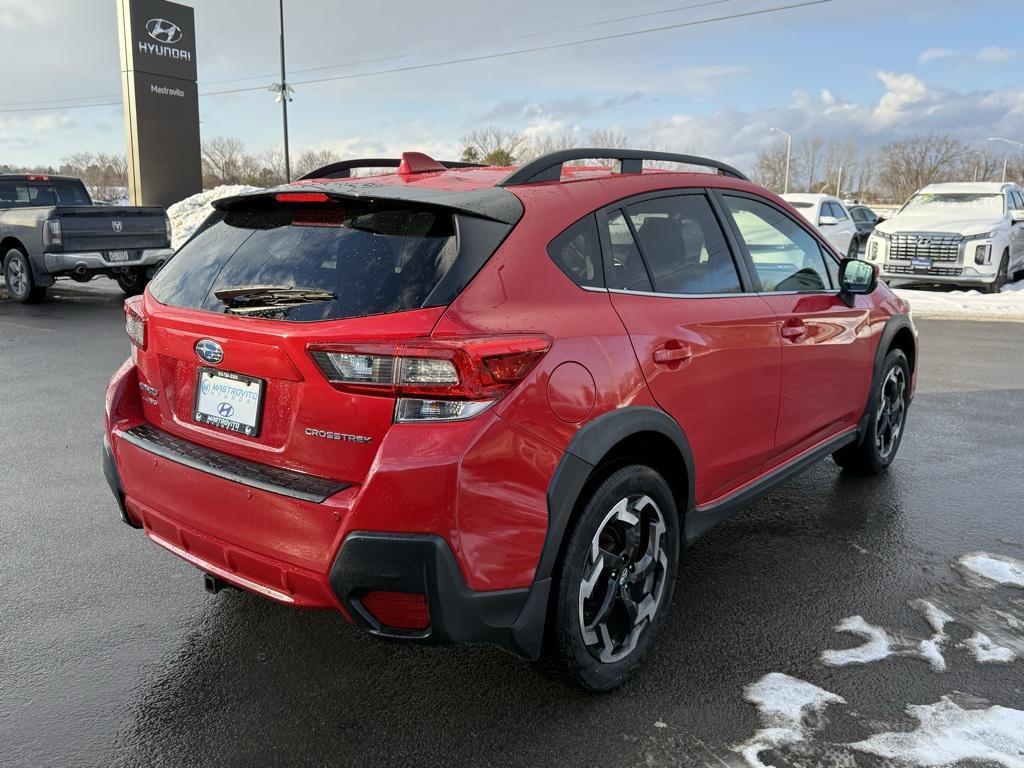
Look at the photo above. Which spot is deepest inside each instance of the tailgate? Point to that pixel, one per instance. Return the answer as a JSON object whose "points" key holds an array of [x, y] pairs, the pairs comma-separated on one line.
{"points": [[107, 228]]}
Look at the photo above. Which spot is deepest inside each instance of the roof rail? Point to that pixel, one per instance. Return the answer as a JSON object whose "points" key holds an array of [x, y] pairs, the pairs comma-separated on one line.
{"points": [[549, 167], [343, 169]]}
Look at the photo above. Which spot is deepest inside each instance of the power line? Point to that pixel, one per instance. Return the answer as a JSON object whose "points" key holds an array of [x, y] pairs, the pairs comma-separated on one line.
{"points": [[485, 56]]}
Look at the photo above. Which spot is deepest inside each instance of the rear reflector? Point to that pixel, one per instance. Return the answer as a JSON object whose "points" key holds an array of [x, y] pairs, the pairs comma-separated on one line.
{"points": [[398, 610]]}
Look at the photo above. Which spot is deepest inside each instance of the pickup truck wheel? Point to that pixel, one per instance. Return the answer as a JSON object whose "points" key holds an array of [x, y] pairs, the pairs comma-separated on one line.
{"points": [[886, 421], [132, 282], [614, 585], [18, 277], [997, 285]]}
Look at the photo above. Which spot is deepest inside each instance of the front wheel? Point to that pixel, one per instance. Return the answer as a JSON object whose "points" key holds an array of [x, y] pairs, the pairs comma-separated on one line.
{"points": [[854, 250], [997, 285], [886, 421], [18, 277], [132, 281], [614, 585]]}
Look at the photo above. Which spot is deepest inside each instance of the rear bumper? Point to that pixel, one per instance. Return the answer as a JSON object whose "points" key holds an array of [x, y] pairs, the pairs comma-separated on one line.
{"points": [[96, 261]]}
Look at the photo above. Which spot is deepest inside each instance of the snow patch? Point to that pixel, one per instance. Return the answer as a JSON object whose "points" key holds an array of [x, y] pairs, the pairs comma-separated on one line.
{"points": [[879, 643], [948, 734], [785, 705], [186, 215], [999, 569], [985, 649], [967, 305]]}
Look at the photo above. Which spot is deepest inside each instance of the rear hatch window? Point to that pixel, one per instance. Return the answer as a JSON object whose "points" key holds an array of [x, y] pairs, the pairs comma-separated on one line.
{"points": [[324, 261]]}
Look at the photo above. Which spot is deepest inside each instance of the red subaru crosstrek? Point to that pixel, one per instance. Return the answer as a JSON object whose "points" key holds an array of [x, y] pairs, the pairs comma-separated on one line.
{"points": [[466, 405]]}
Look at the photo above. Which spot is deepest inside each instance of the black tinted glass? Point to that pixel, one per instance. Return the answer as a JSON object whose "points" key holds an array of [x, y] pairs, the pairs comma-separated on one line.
{"points": [[577, 252], [625, 268], [371, 259], [70, 193], [684, 247]]}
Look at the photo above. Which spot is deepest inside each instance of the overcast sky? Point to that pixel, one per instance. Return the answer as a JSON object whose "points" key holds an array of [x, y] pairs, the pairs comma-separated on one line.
{"points": [[871, 69]]}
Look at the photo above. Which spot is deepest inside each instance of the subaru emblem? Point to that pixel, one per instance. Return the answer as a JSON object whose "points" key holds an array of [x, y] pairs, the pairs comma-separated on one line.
{"points": [[117, 225], [209, 351]]}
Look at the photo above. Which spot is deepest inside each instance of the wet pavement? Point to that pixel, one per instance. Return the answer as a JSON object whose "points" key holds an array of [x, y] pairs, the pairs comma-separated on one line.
{"points": [[111, 654]]}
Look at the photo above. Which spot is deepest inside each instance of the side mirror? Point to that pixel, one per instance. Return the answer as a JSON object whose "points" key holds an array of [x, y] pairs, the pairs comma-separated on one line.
{"points": [[1017, 216], [827, 221], [857, 277]]}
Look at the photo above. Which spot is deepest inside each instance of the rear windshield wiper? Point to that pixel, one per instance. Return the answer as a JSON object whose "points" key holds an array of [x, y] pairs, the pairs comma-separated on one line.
{"points": [[246, 297]]}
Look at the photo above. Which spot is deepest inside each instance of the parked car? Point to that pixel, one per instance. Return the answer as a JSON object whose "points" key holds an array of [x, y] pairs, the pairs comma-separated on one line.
{"points": [[969, 234], [829, 215], [469, 406], [865, 220], [49, 229]]}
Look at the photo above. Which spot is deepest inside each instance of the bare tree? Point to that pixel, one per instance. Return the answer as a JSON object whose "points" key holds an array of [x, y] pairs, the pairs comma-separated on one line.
{"points": [[908, 165], [222, 159], [608, 138], [809, 158], [770, 167], [104, 175], [492, 146], [312, 159], [982, 164], [534, 148]]}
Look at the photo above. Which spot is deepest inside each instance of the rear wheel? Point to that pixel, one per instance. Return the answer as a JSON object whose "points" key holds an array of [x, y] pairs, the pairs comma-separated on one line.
{"points": [[889, 402], [133, 281], [614, 584], [18, 277], [854, 250]]}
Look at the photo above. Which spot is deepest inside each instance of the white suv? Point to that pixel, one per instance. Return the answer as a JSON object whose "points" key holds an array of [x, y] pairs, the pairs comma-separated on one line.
{"points": [[965, 234], [831, 217]]}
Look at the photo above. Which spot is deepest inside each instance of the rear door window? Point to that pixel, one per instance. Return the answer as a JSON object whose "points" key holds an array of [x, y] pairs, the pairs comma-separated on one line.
{"points": [[14, 194], [626, 270], [683, 246], [786, 257], [312, 262]]}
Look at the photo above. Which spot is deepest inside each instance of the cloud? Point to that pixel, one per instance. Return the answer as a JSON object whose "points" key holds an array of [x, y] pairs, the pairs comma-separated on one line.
{"points": [[17, 14], [987, 55]]}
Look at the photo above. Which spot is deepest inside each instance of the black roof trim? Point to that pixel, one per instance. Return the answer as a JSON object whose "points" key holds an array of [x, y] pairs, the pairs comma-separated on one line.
{"points": [[343, 169], [491, 203], [549, 167]]}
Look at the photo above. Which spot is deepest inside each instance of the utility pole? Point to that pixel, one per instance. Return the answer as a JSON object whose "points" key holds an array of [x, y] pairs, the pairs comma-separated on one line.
{"points": [[1006, 160], [839, 183], [284, 99], [789, 156]]}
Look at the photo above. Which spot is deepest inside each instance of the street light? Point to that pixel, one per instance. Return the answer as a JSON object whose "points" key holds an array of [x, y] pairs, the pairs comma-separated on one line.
{"points": [[284, 92], [1016, 144], [789, 155]]}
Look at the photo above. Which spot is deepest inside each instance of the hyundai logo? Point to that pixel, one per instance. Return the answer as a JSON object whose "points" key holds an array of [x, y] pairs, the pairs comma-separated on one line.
{"points": [[226, 410], [163, 30], [209, 351], [117, 225]]}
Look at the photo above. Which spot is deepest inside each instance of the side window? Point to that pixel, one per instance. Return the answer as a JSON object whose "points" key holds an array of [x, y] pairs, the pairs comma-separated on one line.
{"points": [[626, 268], [39, 195], [577, 252], [838, 212], [786, 257], [13, 195], [1016, 200], [683, 246]]}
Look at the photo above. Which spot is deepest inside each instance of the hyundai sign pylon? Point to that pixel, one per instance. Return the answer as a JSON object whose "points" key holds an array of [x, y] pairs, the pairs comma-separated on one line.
{"points": [[161, 100]]}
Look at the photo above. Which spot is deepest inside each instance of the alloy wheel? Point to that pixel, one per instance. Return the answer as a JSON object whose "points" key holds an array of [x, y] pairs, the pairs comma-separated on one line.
{"points": [[17, 280], [891, 411], [624, 578]]}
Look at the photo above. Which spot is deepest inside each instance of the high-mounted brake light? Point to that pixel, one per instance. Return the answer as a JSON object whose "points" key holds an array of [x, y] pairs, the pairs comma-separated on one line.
{"points": [[433, 379], [301, 197], [37, 178], [135, 323]]}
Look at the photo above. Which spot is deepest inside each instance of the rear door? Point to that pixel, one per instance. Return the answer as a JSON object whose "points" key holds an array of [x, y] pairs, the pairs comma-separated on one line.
{"points": [[826, 344], [708, 346]]}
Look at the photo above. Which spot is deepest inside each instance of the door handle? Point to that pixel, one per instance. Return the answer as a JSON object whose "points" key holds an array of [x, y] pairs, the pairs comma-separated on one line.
{"points": [[674, 354], [794, 330]]}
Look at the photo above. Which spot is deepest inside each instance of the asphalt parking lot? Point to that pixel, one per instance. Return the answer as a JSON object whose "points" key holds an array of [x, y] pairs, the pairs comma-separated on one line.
{"points": [[111, 654]]}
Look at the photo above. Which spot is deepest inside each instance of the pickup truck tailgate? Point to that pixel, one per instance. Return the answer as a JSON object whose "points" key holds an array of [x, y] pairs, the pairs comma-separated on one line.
{"points": [[105, 228]]}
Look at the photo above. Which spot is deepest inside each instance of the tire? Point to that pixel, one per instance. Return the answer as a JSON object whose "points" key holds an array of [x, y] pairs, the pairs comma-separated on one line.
{"points": [[997, 285], [854, 250], [606, 612], [887, 422], [132, 282], [18, 277]]}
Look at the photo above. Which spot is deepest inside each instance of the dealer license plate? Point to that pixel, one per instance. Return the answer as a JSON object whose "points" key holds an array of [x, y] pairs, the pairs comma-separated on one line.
{"points": [[229, 401], [921, 263], [117, 256]]}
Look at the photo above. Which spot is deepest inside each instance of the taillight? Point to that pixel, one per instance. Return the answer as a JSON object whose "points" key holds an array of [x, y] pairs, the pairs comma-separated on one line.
{"points": [[135, 323], [433, 379], [52, 232]]}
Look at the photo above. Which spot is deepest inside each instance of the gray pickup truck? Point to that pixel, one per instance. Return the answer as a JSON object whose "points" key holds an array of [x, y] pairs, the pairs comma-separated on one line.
{"points": [[50, 228]]}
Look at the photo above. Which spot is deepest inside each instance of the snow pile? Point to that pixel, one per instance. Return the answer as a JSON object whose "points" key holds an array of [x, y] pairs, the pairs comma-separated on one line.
{"points": [[786, 707], [186, 215], [947, 734], [968, 305], [999, 569]]}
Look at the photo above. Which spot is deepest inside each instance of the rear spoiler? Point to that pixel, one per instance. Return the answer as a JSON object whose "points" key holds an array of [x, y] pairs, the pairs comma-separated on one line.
{"points": [[491, 203]]}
